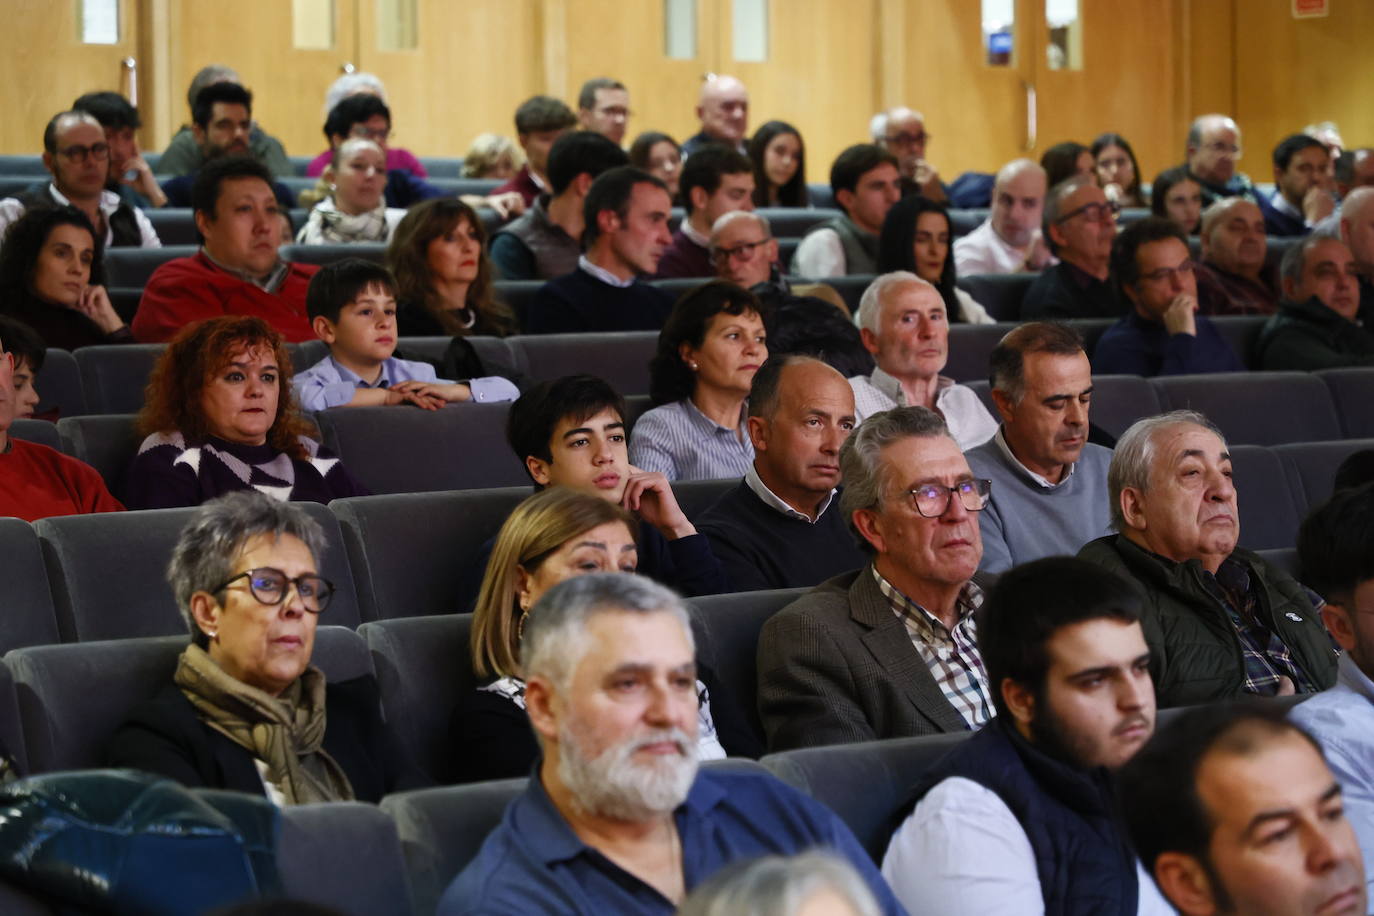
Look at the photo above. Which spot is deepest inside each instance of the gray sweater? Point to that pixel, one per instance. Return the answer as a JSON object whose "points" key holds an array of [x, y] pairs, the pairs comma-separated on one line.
{"points": [[1024, 520]]}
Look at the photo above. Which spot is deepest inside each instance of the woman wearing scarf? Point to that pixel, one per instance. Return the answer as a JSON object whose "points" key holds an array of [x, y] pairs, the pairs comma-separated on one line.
{"points": [[355, 210], [245, 709]]}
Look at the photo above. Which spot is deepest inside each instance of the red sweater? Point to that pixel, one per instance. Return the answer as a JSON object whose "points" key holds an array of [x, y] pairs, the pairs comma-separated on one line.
{"points": [[192, 289], [39, 482]]}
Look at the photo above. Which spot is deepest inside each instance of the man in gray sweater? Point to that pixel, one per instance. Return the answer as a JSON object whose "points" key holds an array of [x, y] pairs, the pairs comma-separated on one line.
{"points": [[1049, 484]]}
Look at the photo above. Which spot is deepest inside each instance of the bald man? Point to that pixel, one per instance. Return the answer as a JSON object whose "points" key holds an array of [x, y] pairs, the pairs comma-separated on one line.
{"points": [[1009, 240], [723, 110], [902, 132]]}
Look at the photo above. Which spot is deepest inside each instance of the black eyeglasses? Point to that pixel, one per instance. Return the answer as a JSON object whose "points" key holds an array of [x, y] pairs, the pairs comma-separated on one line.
{"points": [[269, 587], [79, 153], [932, 499]]}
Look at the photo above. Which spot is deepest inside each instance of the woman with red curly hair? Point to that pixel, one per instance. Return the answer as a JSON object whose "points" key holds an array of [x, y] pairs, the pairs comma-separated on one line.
{"points": [[218, 416]]}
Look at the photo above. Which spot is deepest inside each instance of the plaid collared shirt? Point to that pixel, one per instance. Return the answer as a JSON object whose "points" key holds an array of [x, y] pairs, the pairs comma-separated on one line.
{"points": [[952, 657], [1266, 656]]}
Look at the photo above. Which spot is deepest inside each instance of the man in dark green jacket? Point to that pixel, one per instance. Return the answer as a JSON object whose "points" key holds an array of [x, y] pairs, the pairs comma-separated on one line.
{"points": [[1320, 325], [1219, 621]]}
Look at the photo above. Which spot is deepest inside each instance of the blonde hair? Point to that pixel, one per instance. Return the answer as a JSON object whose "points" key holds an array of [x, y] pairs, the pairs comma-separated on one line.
{"points": [[535, 529]]}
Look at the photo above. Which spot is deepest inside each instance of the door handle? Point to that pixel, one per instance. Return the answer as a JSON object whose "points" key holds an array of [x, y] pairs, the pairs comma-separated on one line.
{"points": [[1031, 129], [130, 66]]}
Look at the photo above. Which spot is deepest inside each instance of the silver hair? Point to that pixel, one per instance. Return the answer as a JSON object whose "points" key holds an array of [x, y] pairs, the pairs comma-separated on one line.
{"points": [[352, 84], [209, 545], [781, 886], [862, 469], [555, 632], [1295, 258], [871, 303], [1135, 454], [726, 219]]}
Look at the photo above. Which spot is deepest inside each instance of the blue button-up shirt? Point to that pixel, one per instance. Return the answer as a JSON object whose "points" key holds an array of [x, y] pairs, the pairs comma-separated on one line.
{"points": [[534, 862], [330, 384]]}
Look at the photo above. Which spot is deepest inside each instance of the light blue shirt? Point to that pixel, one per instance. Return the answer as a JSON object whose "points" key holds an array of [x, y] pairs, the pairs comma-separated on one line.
{"points": [[329, 384]]}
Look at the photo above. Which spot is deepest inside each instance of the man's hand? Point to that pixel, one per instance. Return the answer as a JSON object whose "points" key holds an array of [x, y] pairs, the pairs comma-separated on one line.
{"points": [[1180, 316], [648, 495]]}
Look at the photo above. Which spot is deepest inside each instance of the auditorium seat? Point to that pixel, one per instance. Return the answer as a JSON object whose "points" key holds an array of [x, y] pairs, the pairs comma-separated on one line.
{"points": [[1352, 390], [108, 572], [107, 442], [397, 578], [59, 384], [29, 618], [866, 784], [72, 698], [131, 267], [970, 345], [621, 357], [328, 254], [962, 222], [1241, 332], [42, 432], [1270, 511], [795, 222], [114, 376], [396, 450], [174, 225], [1256, 408], [345, 856], [1312, 466], [1000, 294]]}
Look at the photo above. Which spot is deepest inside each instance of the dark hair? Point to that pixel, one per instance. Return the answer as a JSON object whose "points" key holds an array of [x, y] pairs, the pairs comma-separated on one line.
{"points": [[854, 162], [669, 379], [224, 93], [707, 166], [1165, 181], [1356, 469], [205, 190], [612, 190], [111, 109], [23, 342], [51, 130], [1291, 145], [1158, 787], [353, 109], [1124, 269], [1007, 362], [586, 97], [23, 242], [1336, 544], [536, 413], [1060, 161], [898, 236], [644, 143], [1109, 139], [338, 283], [795, 192], [1035, 600], [541, 113], [583, 152], [407, 256]]}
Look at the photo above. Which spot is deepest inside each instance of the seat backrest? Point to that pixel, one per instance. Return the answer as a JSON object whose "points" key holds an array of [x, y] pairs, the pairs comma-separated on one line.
{"points": [[620, 357], [394, 578], [107, 442], [328, 254], [28, 618], [1120, 400], [970, 345], [865, 784], [131, 267], [59, 384], [395, 450], [345, 856], [42, 432], [175, 225], [1000, 294], [1312, 466], [1270, 508], [1352, 390], [115, 375], [1257, 408]]}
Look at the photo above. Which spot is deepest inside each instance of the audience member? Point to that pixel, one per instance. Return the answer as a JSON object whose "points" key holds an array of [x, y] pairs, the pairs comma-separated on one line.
{"points": [[545, 241], [221, 123], [715, 180], [1040, 462], [355, 210], [77, 155], [1080, 224], [1009, 240], [219, 417], [1320, 324], [1357, 231], [27, 353], [1117, 171], [1302, 197], [807, 884], [1231, 279], [184, 154], [37, 481], [800, 413], [617, 818], [365, 116], [916, 238], [352, 307], [1212, 150], [130, 175], [1162, 334], [1221, 621], [1233, 810], [377, 126], [779, 158], [603, 106], [903, 323], [554, 535], [1024, 810], [1065, 160], [660, 156], [238, 270], [625, 231], [52, 278], [1177, 196], [889, 650], [539, 122], [245, 709], [492, 156], [723, 110], [443, 275], [866, 184], [708, 351], [902, 132]]}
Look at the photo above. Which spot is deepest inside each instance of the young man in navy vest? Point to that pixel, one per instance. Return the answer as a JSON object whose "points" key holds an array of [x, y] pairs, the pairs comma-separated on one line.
{"points": [[1023, 810]]}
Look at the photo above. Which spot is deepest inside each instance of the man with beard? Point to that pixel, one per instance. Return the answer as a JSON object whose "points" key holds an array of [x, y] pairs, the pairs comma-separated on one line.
{"points": [[1023, 811], [222, 124], [616, 817]]}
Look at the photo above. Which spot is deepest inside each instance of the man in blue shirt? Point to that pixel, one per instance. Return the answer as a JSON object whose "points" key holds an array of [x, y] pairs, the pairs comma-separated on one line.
{"points": [[617, 818]]}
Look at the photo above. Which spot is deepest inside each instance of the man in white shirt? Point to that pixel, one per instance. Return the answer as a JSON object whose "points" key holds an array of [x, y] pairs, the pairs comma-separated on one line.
{"points": [[1009, 240], [1020, 818]]}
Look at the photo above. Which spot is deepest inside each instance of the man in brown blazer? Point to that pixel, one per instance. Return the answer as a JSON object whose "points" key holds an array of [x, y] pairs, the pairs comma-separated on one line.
{"points": [[889, 650]]}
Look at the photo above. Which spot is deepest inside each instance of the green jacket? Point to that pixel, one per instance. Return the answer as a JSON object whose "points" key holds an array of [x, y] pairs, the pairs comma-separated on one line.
{"points": [[1195, 655], [1308, 335]]}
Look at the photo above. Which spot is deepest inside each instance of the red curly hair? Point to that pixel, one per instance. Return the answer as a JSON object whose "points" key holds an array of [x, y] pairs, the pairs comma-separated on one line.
{"points": [[199, 352]]}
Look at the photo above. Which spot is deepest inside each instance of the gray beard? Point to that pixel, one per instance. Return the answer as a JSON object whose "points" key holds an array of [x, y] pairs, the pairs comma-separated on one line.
{"points": [[613, 785]]}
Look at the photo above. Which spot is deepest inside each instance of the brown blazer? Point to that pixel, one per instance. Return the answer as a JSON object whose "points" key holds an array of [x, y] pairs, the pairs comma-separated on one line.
{"points": [[837, 666]]}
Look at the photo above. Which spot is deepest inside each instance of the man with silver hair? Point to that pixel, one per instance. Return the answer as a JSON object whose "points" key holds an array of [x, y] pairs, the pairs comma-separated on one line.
{"points": [[902, 132], [1220, 621], [617, 818], [1320, 323], [904, 324], [184, 155], [889, 650]]}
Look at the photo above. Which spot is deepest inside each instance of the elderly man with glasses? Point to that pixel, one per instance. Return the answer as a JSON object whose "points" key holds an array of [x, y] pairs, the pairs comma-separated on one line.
{"points": [[1080, 224], [75, 151]]}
